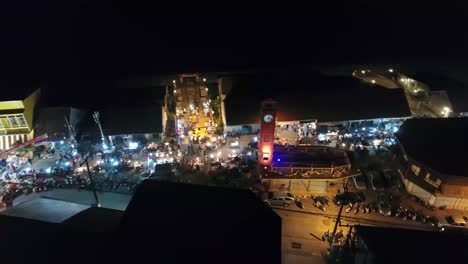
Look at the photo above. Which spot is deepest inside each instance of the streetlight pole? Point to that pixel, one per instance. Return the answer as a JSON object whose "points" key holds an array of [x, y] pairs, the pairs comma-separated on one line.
{"points": [[98, 122]]}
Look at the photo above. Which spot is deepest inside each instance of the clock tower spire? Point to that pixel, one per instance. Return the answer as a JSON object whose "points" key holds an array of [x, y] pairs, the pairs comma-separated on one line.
{"points": [[267, 133]]}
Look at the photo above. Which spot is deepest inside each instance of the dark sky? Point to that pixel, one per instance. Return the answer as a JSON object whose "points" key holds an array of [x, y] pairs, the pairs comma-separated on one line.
{"points": [[92, 45]]}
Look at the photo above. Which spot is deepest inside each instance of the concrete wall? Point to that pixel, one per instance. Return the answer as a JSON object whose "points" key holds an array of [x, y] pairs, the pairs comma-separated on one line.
{"points": [[451, 203], [297, 186], [30, 106], [238, 128]]}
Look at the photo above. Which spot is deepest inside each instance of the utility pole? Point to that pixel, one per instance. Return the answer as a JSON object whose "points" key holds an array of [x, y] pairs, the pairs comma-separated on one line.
{"points": [[338, 218], [97, 203], [71, 132]]}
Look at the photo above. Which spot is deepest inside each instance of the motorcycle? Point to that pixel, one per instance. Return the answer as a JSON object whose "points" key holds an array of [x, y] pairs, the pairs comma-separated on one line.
{"points": [[349, 209], [356, 210], [299, 204]]}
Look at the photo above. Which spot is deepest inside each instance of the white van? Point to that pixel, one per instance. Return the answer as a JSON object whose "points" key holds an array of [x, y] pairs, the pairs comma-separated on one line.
{"points": [[280, 201], [283, 194], [456, 220]]}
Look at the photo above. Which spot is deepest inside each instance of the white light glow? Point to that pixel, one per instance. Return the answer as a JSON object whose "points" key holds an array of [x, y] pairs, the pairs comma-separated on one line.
{"points": [[321, 137], [373, 81], [211, 155], [173, 81], [363, 72], [133, 145], [204, 79], [390, 70]]}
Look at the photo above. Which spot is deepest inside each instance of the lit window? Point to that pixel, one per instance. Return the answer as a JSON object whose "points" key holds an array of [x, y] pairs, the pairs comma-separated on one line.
{"points": [[21, 121], [13, 122], [415, 169]]}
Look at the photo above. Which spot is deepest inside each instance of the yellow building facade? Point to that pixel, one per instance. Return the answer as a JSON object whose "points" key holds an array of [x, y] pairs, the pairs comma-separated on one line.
{"points": [[16, 120]]}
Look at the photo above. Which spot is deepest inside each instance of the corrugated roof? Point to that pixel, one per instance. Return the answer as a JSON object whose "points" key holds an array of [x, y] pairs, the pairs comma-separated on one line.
{"points": [[310, 95], [47, 210], [428, 142]]}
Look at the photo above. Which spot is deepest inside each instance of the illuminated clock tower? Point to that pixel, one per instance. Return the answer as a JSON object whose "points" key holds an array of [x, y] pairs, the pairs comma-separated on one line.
{"points": [[267, 134]]}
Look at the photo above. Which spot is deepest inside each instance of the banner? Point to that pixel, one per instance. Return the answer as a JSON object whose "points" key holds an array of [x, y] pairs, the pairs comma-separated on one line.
{"points": [[27, 143]]}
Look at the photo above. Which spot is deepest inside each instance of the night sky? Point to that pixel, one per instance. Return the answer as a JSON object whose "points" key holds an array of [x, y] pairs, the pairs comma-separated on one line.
{"points": [[81, 49]]}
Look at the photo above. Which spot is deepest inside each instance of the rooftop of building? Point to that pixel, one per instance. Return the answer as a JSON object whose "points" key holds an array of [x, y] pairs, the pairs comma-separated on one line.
{"points": [[194, 217], [426, 141], [168, 222], [391, 245], [311, 95]]}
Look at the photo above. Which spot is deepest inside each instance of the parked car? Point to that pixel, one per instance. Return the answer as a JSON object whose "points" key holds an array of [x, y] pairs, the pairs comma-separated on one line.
{"points": [[349, 198], [320, 199], [455, 220], [433, 221], [282, 194], [280, 201]]}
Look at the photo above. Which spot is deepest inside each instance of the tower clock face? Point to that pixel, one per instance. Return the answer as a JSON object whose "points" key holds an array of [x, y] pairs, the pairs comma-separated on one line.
{"points": [[268, 118]]}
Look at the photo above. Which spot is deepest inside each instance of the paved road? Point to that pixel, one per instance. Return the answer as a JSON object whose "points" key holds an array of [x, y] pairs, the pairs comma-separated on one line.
{"points": [[372, 219], [298, 225], [296, 228]]}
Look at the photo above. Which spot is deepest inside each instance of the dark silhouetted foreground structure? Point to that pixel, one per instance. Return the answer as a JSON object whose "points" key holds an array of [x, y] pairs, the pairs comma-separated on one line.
{"points": [[164, 223]]}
